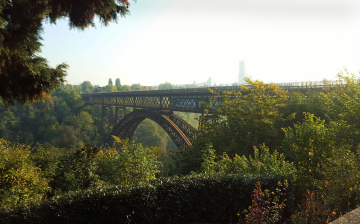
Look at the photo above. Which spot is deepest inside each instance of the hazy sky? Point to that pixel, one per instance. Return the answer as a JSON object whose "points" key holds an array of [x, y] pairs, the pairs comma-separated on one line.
{"points": [[181, 41]]}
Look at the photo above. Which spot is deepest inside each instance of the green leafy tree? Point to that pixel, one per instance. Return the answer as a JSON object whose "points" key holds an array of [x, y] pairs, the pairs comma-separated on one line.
{"points": [[191, 118], [243, 119], [309, 144], [48, 128], [49, 160], [8, 124], [166, 85], [82, 124], [148, 133], [67, 137], [110, 88], [125, 88], [61, 108], [70, 169], [87, 87], [71, 95], [208, 164], [136, 87], [110, 82], [262, 162], [24, 76], [20, 179], [343, 105], [127, 163], [328, 171], [85, 166]]}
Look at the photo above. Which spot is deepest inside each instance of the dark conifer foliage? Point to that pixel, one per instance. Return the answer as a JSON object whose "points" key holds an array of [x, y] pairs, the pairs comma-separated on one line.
{"points": [[24, 76]]}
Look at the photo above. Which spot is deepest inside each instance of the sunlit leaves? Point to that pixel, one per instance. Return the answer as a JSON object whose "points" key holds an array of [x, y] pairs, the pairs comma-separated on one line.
{"points": [[20, 180], [131, 164], [243, 119], [309, 144], [262, 162]]}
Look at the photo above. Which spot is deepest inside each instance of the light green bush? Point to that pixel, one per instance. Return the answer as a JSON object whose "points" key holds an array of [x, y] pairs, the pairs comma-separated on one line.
{"points": [[20, 179], [263, 162]]}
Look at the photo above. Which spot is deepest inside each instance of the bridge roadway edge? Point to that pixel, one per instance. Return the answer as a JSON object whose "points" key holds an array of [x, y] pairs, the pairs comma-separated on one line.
{"points": [[183, 100]]}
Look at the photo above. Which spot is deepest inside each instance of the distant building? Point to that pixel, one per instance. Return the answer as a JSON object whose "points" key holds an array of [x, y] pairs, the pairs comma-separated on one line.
{"points": [[241, 72], [209, 82]]}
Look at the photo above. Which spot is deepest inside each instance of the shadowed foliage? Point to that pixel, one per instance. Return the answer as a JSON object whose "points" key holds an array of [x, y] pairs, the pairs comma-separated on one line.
{"points": [[24, 76]]}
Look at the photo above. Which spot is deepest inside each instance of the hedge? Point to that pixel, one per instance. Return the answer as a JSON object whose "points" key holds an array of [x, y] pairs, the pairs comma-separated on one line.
{"points": [[195, 198]]}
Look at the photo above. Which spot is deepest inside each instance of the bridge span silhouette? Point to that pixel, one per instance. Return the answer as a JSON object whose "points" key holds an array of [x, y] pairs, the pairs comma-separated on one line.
{"points": [[159, 105]]}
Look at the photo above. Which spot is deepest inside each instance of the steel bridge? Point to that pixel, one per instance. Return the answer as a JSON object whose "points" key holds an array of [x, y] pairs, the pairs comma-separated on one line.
{"points": [[158, 105]]}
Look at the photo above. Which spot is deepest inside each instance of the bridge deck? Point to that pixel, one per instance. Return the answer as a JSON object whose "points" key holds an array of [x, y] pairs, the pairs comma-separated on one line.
{"points": [[185, 100]]}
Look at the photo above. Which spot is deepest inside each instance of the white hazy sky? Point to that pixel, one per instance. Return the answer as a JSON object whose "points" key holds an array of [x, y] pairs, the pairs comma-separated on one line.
{"points": [[181, 41]]}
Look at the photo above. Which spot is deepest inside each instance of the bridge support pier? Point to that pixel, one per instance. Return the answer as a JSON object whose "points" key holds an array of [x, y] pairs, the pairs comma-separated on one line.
{"points": [[120, 113]]}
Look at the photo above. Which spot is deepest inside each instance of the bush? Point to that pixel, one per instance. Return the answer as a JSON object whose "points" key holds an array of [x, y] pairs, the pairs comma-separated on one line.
{"points": [[130, 164], [196, 198], [266, 206], [20, 180], [261, 163]]}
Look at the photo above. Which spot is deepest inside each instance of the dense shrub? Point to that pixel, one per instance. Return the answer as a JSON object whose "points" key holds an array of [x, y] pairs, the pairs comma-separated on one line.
{"points": [[266, 206], [20, 179], [261, 162], [130, 164], [195, 198]]}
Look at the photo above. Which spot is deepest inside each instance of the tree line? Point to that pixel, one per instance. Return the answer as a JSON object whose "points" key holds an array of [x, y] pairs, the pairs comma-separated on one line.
{"points": [[64, 120], [312, 136]]}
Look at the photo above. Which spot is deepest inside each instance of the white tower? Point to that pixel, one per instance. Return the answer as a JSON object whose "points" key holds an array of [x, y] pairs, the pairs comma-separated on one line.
{"points": [[241, 72], [208, 83]]}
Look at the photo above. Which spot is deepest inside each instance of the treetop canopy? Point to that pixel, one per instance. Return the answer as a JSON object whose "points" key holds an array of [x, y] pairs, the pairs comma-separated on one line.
{"points": [[24, 76]]}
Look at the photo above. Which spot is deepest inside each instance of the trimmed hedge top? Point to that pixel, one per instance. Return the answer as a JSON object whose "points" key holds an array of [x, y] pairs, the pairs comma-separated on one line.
{"points": [[194, 198]]}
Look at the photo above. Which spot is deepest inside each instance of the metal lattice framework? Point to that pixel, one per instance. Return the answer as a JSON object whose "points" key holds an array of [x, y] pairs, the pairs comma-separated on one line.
{"points": [[178, 129], [185, 100], [158, 105]]}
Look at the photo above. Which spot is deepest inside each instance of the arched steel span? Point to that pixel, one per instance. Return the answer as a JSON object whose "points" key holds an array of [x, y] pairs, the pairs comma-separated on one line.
{"points": [[179, 130]]}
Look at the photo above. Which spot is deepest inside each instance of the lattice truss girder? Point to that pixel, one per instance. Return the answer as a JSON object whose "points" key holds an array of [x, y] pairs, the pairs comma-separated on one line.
{"points": [[187, 100], [178, 129], [191, 103]]}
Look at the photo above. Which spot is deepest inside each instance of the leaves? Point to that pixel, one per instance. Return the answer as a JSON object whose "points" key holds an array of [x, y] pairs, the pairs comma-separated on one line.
{"points": [[266, 206], [263, 162], [20, 180], [131, 164], [243, 119], [24, 76]]}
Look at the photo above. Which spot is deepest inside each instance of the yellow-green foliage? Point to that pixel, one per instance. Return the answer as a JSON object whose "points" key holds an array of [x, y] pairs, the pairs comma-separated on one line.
{"points": [[20, 180], [127, 163], [243, 119], [263, 162], [328, 170]]}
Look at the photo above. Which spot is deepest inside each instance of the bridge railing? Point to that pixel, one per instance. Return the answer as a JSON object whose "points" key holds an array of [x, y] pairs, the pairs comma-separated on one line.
{"points": [[187, 99], [308, 84]]}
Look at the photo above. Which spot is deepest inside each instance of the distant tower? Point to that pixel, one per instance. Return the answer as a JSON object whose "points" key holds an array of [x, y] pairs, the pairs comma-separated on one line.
{"points": [[209, 82], [241, 72]]}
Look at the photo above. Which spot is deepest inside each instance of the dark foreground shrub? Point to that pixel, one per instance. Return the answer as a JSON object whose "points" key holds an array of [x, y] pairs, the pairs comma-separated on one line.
{"points": [[195, 198]]}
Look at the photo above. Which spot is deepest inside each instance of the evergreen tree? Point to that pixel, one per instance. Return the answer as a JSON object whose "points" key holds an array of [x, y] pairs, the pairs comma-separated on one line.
{"points": [[24, 76], [117, 82], [110, 81]]}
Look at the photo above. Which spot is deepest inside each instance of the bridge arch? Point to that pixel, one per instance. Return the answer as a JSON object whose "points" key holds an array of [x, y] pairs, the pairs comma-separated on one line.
{"points": [[179, 130]]}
